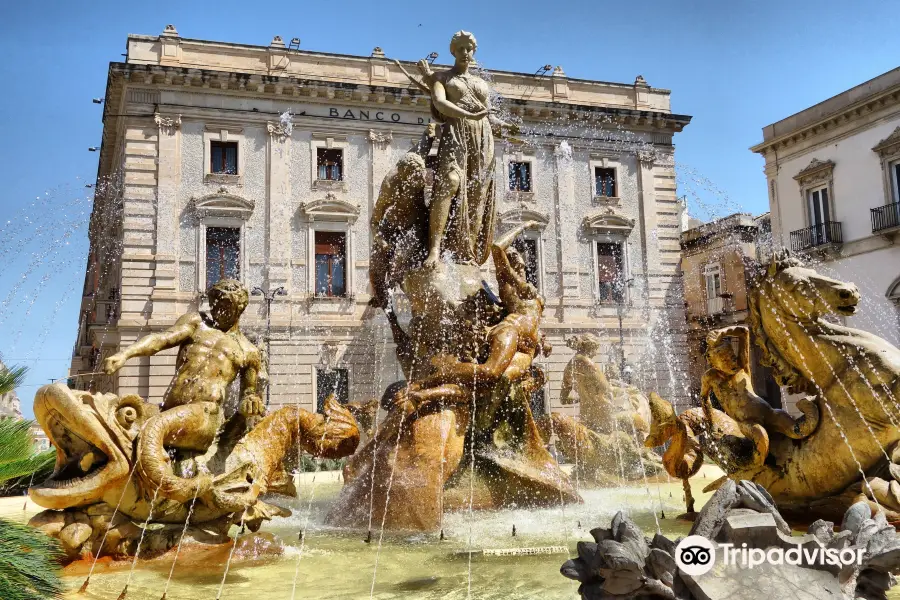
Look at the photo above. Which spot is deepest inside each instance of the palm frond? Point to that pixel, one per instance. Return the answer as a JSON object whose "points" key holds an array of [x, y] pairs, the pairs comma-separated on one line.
{"points": [[11, 378], [37, 467], [28, 563], [16, 443]]}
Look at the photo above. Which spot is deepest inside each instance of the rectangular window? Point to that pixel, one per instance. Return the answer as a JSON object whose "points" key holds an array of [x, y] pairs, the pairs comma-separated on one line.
{"points": [[819, 216], [330, 164], [331, 263], [331, 381], [223, 254], [520, 176], [223, 157], [712, 278], [528, 249], [605, 182], [895, 180], [611, 272]]}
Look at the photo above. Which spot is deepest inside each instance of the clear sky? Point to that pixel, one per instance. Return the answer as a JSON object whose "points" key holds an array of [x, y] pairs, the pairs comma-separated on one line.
{"points": [[735, 66]]}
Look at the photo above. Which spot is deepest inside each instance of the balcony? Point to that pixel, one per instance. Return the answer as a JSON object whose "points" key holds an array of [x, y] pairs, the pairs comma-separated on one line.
{"points": [[886, 217], [825, 234], [715, 306]]}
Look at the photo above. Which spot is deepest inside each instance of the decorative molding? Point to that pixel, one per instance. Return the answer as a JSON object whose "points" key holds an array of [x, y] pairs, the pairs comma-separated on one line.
{"points": [[167, 124], [517, 216], [330, 208], [647, 158], [817, 171], [222, 204], [889, 145], [279, 130], [380, 137], [608, 222], [893, 292]]}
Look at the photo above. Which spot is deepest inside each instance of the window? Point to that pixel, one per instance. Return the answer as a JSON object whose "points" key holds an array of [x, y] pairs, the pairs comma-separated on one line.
{"points": [[819, 215], [520, 176], [223, 254], [330, 263], [223, 157], [528, 249], [605, 182], [331, 381], [611, 272], [712, 277], [895, 180], [330, 164]]}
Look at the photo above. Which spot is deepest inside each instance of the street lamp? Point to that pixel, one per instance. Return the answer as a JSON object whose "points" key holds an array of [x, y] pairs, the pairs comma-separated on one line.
{"points": [[269, 298]]}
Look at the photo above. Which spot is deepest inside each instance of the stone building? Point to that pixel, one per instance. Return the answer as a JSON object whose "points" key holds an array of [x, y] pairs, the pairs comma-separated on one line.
{"points": [[263, 163], [833, 174], [716, 262]]}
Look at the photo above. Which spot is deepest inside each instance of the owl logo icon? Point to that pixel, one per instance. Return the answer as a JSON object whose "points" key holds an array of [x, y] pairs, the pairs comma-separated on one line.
{"points": [[695, 555]]}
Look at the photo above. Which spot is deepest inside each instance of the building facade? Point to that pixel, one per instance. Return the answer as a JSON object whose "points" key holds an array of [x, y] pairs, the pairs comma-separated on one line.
{"points": [[263, 163], [717, 262], [833, 175]]}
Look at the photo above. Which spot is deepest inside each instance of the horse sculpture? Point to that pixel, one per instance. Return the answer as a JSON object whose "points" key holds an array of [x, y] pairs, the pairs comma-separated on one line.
{"points": [[852, 376]]}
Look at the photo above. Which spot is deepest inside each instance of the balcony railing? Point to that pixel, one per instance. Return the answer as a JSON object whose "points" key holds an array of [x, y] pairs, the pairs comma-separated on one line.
{"points": [[886, 217], [715, 306], [826, 233]]}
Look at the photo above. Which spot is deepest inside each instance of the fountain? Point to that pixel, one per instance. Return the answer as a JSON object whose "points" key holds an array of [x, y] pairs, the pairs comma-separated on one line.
{"points": [[843, 449], [454, 488]]}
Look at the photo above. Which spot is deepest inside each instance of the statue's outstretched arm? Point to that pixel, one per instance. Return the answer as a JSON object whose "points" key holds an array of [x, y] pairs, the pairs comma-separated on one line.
{"points": [[418, 83], [505, 272], [151, 344]]}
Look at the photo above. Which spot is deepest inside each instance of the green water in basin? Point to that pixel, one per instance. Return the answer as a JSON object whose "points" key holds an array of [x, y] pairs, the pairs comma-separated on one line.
{"points": [[339, 564]]}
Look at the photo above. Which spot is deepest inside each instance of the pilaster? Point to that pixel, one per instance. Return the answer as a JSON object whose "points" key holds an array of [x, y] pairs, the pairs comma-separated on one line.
{"points": [[278, 207], [168, 179]]}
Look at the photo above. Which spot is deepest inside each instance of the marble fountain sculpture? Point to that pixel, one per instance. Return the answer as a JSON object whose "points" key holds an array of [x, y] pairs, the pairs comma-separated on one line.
{"points": [[459, 430], [130, 473], [843, 449], [606, 441]]}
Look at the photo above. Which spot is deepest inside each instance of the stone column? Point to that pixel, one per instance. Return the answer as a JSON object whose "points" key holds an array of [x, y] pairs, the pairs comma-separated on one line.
{"points": [[278, 207], [167, 245]]}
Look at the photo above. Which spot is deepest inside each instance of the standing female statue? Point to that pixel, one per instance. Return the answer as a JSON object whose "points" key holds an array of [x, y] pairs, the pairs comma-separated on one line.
{"points": [[461, 215]]}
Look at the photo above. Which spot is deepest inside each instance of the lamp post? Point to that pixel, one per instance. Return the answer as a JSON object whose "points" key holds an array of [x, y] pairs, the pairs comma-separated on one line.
{"points": [[269, 298]]}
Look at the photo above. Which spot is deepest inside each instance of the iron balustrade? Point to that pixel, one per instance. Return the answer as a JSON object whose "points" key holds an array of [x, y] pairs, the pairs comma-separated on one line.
{"points": [[828, 232], [885, 217]]}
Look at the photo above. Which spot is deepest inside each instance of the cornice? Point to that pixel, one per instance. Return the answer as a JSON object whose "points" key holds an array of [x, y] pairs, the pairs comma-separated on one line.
{"points": [[831, 123], [324, 91], [816, 171]]}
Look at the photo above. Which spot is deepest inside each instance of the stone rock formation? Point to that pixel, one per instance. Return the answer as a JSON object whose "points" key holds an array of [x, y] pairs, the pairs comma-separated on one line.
{"points": [[622, 563]]}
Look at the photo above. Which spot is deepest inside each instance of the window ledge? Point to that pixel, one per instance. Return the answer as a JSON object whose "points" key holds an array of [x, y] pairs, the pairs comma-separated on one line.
{"points": [[222, 178], [517, 196], [329, 185], [607, 200], [332, 299]]}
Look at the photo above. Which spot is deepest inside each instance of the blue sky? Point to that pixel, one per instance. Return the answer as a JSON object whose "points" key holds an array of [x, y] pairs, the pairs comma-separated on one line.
{"points": [[735, 66]]}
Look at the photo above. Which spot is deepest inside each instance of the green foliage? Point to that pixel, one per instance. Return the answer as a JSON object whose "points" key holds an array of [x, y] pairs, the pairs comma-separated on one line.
{"points": [[11, 378], [17, 456], [28, 563]]}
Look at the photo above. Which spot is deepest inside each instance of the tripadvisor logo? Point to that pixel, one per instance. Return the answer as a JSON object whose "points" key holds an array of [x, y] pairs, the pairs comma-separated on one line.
{"points": [[696, 555]]}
